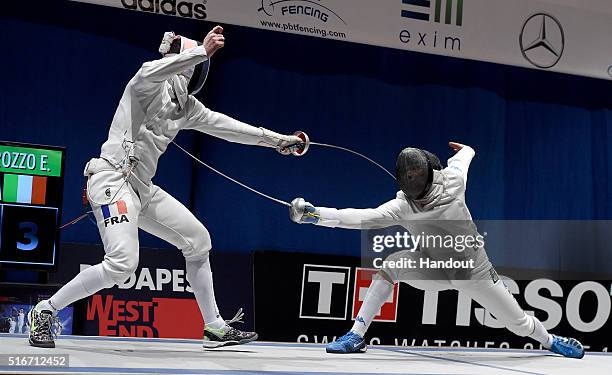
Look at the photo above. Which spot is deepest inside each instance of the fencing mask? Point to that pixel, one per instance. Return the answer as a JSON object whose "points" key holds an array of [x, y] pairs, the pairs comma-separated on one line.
{"points": [[173, 44], [414, 171]]}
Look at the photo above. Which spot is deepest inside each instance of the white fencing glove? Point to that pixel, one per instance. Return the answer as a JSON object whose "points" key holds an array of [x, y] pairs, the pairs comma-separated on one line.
{"points": [[302, 212], [284, 144]]}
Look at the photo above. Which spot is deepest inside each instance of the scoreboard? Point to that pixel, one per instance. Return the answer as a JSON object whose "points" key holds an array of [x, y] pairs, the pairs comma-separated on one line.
{"points": [[31, 191]]}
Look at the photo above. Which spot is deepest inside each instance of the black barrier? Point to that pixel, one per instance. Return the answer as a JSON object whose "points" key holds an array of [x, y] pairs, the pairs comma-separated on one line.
{"points": [[156, 301], [314, 298]]}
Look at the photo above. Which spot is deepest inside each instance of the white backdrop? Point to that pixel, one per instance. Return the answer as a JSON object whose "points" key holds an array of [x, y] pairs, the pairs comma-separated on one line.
{"points": [[569, 36]]}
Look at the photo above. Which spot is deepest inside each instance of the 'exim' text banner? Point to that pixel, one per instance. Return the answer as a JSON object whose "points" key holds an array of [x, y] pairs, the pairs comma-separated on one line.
{"points": [[568, 36]]}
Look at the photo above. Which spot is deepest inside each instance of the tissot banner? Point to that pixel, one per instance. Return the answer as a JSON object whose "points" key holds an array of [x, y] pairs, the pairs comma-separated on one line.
{"points": [[565, 36], [320, 297]]}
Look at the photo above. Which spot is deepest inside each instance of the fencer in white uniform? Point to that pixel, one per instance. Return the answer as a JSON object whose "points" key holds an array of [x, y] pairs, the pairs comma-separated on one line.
{"points": [[156, 105], [20, 321], [12, 325], [432, 200]]}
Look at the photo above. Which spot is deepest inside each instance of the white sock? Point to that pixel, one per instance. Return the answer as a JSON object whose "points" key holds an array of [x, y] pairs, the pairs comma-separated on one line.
{"points": [[89, 281], [548, 342], [378, 293], [200, 278], [540, 334]]}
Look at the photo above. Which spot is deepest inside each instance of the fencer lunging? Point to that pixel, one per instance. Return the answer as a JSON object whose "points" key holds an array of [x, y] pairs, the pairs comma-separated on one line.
{"points": [[156, 104], [431, 201]]}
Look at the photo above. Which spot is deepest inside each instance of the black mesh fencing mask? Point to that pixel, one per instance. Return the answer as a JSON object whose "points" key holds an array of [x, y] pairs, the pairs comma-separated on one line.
{"points": [[414, 171]]}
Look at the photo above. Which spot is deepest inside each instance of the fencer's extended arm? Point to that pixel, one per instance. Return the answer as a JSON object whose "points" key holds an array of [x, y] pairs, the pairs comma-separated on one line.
{"points": [[383, 216], [353, 218], [222, 126], [157, 71], [460, 162]]}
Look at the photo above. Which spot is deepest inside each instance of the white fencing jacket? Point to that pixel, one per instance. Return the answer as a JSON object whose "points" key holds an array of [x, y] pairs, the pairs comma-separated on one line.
{"points": [[156, 105], [441, 211], [445, 201]]}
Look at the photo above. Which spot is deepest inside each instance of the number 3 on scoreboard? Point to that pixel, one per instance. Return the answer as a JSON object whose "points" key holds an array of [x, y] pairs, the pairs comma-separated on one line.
{"points": [[29, 231]]}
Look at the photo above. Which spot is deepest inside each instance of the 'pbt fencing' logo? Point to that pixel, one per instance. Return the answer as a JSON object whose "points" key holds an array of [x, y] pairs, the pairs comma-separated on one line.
{"points": [[324, 292], [427, 10], [305, 8]]}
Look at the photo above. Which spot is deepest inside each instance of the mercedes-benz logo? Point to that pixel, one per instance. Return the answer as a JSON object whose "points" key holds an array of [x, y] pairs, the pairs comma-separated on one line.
{"points": [[542, 40]]}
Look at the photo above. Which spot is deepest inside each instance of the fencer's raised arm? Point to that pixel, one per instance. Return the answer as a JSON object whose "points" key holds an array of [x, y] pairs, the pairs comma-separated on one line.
{"points": [[460, 162], [384, 215], [222, 126], [158, 71]]}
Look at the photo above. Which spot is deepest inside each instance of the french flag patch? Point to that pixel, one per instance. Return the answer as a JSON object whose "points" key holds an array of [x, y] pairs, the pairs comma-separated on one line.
{"points": [[115, 209]]}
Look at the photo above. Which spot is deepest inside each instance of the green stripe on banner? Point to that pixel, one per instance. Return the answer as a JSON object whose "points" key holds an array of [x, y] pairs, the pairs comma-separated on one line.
{"points": [[438, 6], [449, 12], [10, 187], [30, 161], [459, 12]]}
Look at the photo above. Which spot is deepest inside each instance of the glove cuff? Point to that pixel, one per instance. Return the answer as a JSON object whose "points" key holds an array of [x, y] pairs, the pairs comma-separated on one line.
{"points": [[311, 214], [270, 138]]}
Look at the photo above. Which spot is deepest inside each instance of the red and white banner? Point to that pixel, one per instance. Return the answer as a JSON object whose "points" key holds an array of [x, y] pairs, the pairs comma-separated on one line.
{"points": [[155, 301], [363, 279]]}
